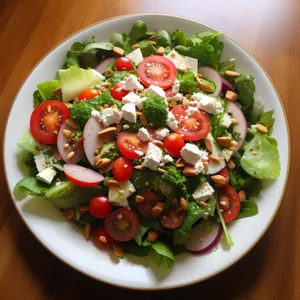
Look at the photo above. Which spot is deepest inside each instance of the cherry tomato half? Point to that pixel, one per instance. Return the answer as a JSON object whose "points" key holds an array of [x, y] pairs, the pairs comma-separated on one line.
{"points": [[157, 70], [172, 218], [146, 206], [46, 120], [88, 94], [117, 91], [129, 142], [225, 174], [124, 64], [122, 169], [229, 202], [122, 225], [101, 239], [191, 128], [100, 207], [173, 144]]}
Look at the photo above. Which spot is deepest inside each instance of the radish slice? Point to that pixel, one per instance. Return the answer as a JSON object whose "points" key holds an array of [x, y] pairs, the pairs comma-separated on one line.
{"points": [[91, 139], [201, 239], [82, 176], [240, 128], [212, 75], [62, 140], [101, 68], [226, 86]]}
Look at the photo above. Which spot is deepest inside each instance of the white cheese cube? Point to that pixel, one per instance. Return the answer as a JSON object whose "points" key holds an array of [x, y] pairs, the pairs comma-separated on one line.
{"points": [[203, 192], [176, 58], [46, 175], [136, 56], [119, 195], [210, 104], [153, 157], [176, 86], [132, 83], [111, 116], [192, 154], [129, 112], [156, 91], [191, 64], [40, 161], [132, 98], [171, 121], [161, 133], [225, 121], [143, 134]]}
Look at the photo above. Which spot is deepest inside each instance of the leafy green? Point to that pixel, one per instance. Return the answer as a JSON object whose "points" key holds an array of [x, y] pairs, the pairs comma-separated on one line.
{"points": [[154, 224], [236, 179], [29, 185], [252, 187], [257, 110], [28, 143], [228, 65], [132, 248], [174, 177], [267, 119], [133, 126], [194, 213], [104, 98], [178, 38], [65, 189], [119, 76], [164, 254], [206, 47], [245, 87], [137, 32], [27, 159], [143, 230], [215, 125], [211, 205], [37, 98], [110, 150], [117, 39], [155, 110], [81, 111], [145, 180], [46, 89], [162, 38], [99, 46], [249, 208], [227, 235], [147, 48], [188, 84], [264, 165]]}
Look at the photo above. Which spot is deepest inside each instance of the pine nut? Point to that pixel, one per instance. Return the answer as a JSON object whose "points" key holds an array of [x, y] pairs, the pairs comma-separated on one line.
{"points": [[231, 96], [189, 170], [180, 163], [218, 179], [202, 203], [261, 128], [72, 123], [139, 167], [183, 204], [139, 199], [215, 158], [112, 183], [102, 163], [152, 236], [231, 165], [66, 146], [232, 73], [118, 51], [70, 155], [67, 133], [242, 195], [161, 51], [224, 141], [118, 250], [234, 121], [157, 209], [208, 145], [103, 239], [136, 46], [161, 170]]}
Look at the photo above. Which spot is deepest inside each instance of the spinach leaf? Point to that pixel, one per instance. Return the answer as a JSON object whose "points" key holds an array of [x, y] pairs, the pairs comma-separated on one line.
{"points": [[267, 119], [178, 38], [228, 65], [119, 76], [147, 48], [162, 38], [37, 98], [132, 248], [117, 39], [164, 254], [249, 208], [65, 189], [29, 185], [143, 230], [137, 32]]}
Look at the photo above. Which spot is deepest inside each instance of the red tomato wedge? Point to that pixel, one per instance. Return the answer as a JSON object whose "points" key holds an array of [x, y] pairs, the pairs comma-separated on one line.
{"points": [[146, 206], [117, 91], [173, 144], [122, 225], [172, 218], [124, 64], [129, 142], [46, 120], [82, 176], [157, 70], [225, 174], [122, 169], [191, 128], [101, 239], [88, 94], [229, 202]]}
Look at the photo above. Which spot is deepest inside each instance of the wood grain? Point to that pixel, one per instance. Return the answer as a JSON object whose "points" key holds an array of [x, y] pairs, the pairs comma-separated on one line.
{"points": [[268, 28]]}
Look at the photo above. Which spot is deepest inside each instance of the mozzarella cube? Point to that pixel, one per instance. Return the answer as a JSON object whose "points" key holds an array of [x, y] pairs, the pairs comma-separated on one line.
{"points": [[176, 86], [119, 195], [136, 56], [191, 64], [111, 116], [176, 58], [156, 91], [40, 161], [143, 134], [203, 192], [192, 154], [132, 83], [161, 133], [129, 112], [46, 175], [225, 121], [153, 157], [171, 121], [209, 104]]}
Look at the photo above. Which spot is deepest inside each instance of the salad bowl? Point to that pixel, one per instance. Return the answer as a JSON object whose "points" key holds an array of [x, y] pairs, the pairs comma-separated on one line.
{"points": [[66, 241]]}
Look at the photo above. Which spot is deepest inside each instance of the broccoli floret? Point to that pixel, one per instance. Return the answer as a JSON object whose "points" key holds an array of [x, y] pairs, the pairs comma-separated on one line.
{"points": [[174, 177], [104, 98], [119, 76], [81, 111], [132, 126], [188, 84], [155, 110]]}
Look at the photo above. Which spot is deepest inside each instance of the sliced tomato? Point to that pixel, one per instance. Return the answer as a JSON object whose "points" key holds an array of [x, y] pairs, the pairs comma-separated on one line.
{"points": [[173, 144], [88, 94], [101, 239], [124, 64], [191, 128], [122, 169], [172, 218], [229, 202], [157, 70], [129, 142], [122, 224], [146, 206], [117, 91], [100, 207], [225, 174], [46, 120]]}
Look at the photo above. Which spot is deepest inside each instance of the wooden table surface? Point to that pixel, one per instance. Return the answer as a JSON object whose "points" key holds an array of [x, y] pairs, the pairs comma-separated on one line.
{"points": [[268, 28]]}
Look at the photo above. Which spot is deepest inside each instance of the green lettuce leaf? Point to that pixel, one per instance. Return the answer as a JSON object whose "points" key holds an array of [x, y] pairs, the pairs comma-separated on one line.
{"points": [[46, 89], [164, 255], [267, 119], [228, 65], [28, 143], [65, 189], [249, 208], [29, 185], [142, 232]]}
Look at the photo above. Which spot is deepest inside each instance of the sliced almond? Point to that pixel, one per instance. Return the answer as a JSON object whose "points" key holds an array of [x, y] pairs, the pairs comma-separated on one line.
{"points": [[202, 203], [87, 231], [231, 96], [208, 145], [224, 141], [231, 165], [159, 144], [112, 183], [183, 204], [72, 123], [254, 153], [118, 250], [234, 121], [218, 179], [143, 120], [103, 239], [157, 209], [119, 127], [242, 195], [202, 86], [233, 145], [161, 51], [261, 128], [189, 170], [139, 199], [102, 163], [107, 134], [138, 113], [151, 42], [118, 51], [180, 163], [69, 213], [215, 158], [136, 46], [160, 170], [232, 73], [139, 167], [57, 92], [106, 169], [152, 236]]}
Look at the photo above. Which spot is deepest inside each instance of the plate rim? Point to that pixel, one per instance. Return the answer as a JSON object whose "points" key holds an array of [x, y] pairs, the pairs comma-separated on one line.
{"points": [[4, 138]]}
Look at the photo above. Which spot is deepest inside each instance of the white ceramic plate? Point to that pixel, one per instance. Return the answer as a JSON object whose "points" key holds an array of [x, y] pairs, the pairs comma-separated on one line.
{"points": [[67, 242]]}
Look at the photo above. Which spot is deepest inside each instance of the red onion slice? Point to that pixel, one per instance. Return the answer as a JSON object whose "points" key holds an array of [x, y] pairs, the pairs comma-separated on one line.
{"points": [[202, 240], [102, 66], [240, 128], [212, 75], [226, 86]]}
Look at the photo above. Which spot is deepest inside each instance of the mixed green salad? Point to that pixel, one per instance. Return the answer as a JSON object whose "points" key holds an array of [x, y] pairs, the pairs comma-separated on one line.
{"points": [[150, 142]]}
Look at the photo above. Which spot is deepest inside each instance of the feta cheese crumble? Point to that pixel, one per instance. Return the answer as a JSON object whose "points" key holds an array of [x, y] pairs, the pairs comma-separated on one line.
{"points": [[171, 121], [203, 192], [176, 86], [192, 154], [46, 175], [153, 157], [129, 112], [132, 83], [161, 133], [208, 103], [156, 91], [143, 134], [111, 116], [136, 56]]}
